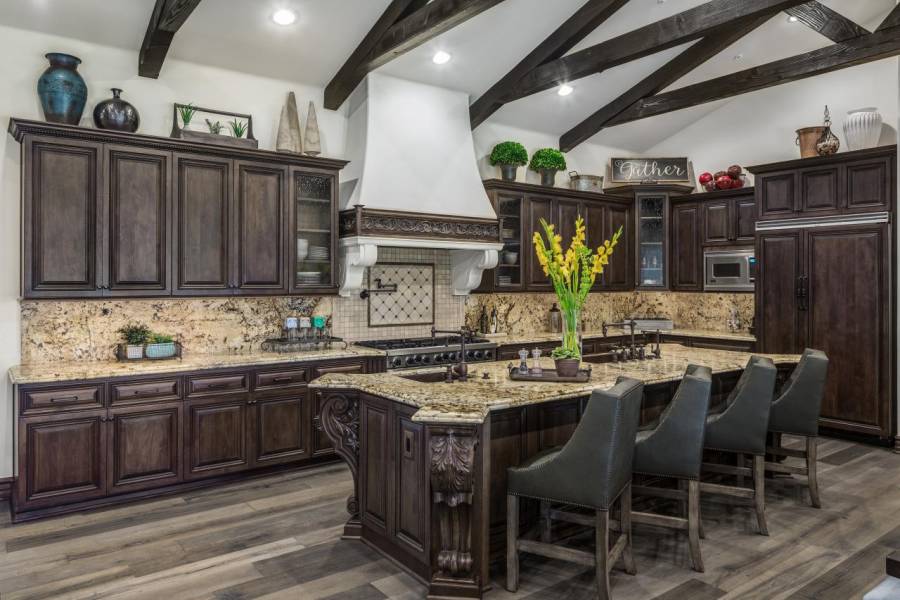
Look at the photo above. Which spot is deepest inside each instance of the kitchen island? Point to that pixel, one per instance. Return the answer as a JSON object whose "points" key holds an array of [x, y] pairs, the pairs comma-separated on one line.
{"points": [[429, 458]]}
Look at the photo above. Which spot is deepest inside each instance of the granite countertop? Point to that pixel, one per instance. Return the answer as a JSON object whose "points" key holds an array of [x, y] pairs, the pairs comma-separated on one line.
{"points": [[471, 402], [78, 370], [534, 338]]}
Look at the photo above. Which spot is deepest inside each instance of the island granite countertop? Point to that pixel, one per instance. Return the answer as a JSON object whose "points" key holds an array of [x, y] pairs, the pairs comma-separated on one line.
{"points": [[81, 370], [539, 337], [470, 402]]}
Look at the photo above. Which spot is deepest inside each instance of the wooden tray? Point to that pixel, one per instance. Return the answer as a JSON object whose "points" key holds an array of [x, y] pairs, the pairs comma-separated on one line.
{"points": [[549, 375]]}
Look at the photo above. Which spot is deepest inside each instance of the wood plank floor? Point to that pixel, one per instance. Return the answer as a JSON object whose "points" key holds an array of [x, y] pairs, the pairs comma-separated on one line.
{"points": [[277, 538]]}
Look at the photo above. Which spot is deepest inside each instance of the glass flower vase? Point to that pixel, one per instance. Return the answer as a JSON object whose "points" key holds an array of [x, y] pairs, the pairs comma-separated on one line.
{"points": [[571, 343]]}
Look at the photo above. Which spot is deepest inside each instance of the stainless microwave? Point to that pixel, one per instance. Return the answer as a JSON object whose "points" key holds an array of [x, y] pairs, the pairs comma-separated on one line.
{"points": [[729, 270]]}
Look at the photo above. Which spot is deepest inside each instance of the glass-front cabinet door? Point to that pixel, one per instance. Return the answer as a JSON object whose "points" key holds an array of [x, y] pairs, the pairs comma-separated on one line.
{"points": [[508, 273], [314, 231], [651, 241]]}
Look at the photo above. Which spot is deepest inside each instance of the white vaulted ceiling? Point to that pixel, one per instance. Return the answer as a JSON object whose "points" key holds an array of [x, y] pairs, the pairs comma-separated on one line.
{"points": [[239, 35]]}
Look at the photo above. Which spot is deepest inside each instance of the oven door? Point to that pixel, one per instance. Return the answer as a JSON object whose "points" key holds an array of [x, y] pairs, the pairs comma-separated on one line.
{"points": [[729, 271]]}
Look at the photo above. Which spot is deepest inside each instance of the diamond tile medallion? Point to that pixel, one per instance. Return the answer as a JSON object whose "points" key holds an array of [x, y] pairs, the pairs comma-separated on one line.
{"points": [[411, 304]]}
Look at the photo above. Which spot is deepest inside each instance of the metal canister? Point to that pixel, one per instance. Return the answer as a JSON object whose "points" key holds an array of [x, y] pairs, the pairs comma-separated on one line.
{"points": [[585, 183]]}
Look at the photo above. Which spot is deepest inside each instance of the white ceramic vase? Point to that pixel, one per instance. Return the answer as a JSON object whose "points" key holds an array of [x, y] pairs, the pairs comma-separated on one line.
{"points": [[862, 128]]}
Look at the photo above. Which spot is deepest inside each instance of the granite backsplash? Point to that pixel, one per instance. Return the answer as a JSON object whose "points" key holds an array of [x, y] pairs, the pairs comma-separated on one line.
{"points": [[521, 314]]}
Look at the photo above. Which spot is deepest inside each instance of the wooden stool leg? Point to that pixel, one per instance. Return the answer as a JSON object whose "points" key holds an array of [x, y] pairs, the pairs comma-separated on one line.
{"points": [[512, 538], [740, 463], [811, 473], [625, 521], [693, 517], [602, 555], [546, 526], [759, 492], [683, 504]]}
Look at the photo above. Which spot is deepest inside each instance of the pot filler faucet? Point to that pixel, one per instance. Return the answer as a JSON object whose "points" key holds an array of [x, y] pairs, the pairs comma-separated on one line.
{"points": [[633, 351]]}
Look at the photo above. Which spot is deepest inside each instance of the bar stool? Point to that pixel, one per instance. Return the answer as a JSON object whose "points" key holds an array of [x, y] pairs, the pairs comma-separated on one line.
{"points": [[674, 449], [741, 428], [592, 470], [796, 412]]}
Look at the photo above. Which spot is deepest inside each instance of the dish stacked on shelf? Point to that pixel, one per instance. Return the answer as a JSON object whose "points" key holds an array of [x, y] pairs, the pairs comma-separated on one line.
{"points": [[309, 277], [318, 253]]}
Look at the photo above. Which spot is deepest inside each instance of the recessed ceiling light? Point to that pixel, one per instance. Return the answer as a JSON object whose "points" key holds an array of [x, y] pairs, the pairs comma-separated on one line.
{"points": [[441, 58], [565, 90], [284, 17], [792, 19], [738, 57]]}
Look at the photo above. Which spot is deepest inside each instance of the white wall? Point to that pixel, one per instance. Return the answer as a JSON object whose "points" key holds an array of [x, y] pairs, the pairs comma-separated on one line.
{"points": [[103, 68], [760, 127]]}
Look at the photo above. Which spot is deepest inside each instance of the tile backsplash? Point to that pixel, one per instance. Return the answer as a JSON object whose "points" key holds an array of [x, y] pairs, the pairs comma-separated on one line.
{"points": [[60, 330]]}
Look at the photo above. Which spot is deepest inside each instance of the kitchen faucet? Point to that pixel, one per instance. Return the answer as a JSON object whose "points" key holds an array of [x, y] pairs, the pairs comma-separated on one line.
{"points": [[460, 370]]}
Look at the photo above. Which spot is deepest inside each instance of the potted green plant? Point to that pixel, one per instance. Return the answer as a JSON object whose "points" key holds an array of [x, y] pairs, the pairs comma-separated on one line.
{"points": [[214, 127], [135, 336], [548, 162], [186, 112], [509, 156], [572, 274], [238, 128], [160, 345]]}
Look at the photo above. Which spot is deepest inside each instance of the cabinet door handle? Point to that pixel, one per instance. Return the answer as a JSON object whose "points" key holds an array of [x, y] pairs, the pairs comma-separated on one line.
{"points": [[64, 399], [408, 444], [283, 379]]}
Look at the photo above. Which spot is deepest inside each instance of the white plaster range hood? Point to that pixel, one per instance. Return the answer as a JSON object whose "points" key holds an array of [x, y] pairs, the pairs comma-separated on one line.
{"points": [[413, 182]]}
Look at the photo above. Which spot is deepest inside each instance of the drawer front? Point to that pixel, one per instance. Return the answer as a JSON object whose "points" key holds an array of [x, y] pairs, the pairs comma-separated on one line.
{"points": [[348, 368], [216, 384], [63, 398], [283, 378], [137, 391]]}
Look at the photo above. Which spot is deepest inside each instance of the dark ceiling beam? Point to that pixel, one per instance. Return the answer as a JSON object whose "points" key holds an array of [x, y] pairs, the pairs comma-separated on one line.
{"points": [[675, 30], [818, 17], [591, 15], [884, 43], [343, 84], [167, 18], [892, 20], [418, 27], [660, 79]]}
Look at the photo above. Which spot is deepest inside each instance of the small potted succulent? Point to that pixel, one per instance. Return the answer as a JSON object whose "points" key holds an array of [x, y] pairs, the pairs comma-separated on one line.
{"points": [[215, 128], [548, 162], [135, 336], [160, 345], [187, 112], [238, 128], [509, 156]]}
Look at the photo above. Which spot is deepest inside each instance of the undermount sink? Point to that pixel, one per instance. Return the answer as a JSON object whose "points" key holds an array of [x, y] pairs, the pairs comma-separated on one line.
{"points": [[426, 377]]}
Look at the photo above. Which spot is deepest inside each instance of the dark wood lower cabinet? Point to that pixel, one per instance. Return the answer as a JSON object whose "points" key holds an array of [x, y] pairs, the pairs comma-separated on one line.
{"points": [[82, 444]]}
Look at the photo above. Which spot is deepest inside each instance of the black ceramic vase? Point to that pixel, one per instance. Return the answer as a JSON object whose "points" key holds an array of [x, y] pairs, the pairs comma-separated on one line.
{"points": [[116, 114], [61, 89]]}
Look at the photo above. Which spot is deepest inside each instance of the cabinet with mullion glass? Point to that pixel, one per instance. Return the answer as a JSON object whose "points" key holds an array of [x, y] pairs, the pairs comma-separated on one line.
{"points": [[652, 223], [508, 274], [313, 227]]}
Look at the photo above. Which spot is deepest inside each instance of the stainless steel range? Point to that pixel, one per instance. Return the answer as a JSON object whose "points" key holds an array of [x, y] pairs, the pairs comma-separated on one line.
{"points": [[430, 351]]}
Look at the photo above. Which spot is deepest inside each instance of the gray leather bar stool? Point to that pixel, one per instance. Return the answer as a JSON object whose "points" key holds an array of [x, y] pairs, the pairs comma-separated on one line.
{"points": [[796, 412], [741, 428], [673, 448], [593, 470]]}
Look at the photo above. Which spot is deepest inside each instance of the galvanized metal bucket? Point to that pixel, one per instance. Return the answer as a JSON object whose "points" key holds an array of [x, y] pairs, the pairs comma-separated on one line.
{"points": [[585, 183]]}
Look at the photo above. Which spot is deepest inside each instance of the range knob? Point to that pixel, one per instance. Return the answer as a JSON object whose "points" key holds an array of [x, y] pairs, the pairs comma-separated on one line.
{"points": [[417, 359], [489, 355], [452, 356], [479, 355], [410, 361], [397, 362], [426, 359]]}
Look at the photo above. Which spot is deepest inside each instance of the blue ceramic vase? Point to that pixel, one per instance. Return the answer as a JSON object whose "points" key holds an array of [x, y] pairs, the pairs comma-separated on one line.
{"points": [[61, 89]]}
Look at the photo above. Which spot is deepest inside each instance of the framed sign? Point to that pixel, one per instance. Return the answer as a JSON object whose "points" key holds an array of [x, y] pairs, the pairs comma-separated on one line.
{"points": [[649, 170]]}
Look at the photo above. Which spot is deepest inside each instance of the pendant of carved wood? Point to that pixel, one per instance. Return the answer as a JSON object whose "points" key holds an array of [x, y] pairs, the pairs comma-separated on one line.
{"points": [[340, 420], [452, 488]]}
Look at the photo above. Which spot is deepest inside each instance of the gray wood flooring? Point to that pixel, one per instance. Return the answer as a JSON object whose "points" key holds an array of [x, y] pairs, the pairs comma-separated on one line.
{"points": [[277, 538]]}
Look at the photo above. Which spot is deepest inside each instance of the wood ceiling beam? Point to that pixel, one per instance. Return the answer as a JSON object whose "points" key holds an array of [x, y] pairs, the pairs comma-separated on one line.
{"points": [[884, 43], [829, 23], [343, 84], [678, 29], [167, 18], [401, 36], [591, 15], [660, 79], [892, 20]]}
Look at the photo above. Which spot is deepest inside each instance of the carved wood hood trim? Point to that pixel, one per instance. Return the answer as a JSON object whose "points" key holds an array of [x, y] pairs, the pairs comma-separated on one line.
{"points": [[363, 222]]}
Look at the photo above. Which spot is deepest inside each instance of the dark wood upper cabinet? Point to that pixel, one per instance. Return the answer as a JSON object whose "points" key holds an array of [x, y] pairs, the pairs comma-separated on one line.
{"points": [[538, 208], [845, 183], [139, 203], [62, 208], [260, 213], [716, 222], [728, 217], [686, 271], [619, 273], [107, 213], [745, 219], [203, 207]]}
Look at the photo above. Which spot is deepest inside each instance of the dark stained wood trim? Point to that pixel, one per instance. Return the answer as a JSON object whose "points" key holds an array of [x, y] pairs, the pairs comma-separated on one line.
{"points": [[591, 15], [6, 486], [820, 161], [424, 24], [666, 33], [660, 79], [361, 221], [352, 71], [556, 192], [858, 51], [892, 20], [18, 128], [829, 23], [167, 18]]}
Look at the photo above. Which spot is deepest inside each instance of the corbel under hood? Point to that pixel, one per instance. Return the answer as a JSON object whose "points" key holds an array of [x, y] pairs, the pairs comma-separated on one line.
{"points": [[413, 182]]}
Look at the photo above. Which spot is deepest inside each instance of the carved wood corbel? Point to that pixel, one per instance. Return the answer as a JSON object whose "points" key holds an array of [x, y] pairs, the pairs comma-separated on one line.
{"points": [[340, 421]]}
